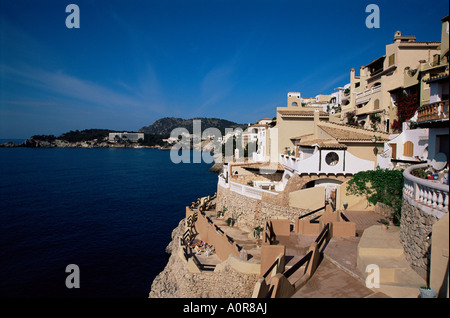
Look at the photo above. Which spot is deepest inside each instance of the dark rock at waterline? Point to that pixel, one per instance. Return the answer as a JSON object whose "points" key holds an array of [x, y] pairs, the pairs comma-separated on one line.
{"points": [[10, 144], [216, 167]]}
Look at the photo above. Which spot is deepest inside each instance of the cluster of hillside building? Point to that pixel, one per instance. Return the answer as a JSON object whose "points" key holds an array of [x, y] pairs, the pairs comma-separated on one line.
{"points": [[392, 115], [308, 152], [358, 127], [125, 136]]}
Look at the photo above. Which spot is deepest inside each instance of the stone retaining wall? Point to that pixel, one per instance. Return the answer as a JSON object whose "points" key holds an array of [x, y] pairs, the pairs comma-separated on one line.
{"points": [[383, 209], [415, 226], [253, 212]]}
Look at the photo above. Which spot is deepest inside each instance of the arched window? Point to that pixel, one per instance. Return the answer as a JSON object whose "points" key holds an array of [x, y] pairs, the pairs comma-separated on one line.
{"points": [[294, 104], [376, 104]]}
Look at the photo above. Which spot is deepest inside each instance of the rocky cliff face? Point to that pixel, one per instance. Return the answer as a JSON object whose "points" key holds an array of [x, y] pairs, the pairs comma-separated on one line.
{"points": [[175, 281]]}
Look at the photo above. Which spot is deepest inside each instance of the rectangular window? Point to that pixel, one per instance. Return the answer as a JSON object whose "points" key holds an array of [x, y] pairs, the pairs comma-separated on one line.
{"points": [[408, 149], [391, 59], [443, 144]]}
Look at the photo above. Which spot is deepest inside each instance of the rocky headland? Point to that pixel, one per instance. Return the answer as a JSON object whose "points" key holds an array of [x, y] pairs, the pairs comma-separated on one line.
{"points": [[176, 281]]}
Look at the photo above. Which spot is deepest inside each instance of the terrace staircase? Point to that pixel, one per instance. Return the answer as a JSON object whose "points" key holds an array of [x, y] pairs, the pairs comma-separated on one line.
{"points": [[383, 248], [291, 261]]}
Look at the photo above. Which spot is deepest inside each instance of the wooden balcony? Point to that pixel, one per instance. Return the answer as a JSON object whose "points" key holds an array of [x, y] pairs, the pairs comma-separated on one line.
{"points": [[437, 111]]}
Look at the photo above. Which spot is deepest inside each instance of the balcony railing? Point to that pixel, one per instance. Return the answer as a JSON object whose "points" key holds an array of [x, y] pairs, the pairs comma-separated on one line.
{"points": [[430, 196], [248, 191], [433, 111], [368, 92]]}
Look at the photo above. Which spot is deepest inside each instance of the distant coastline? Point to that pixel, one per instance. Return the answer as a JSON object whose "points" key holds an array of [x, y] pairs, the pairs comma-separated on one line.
{"points": [[13, 140], [152, 136], [90, 138], [57, 143]]}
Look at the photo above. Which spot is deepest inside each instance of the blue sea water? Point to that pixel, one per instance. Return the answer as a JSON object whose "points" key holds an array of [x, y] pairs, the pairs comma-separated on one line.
{"points": [[109, 211]]}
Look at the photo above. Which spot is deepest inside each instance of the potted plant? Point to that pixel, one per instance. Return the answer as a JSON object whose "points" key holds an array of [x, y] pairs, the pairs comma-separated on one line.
{"points": [[345, 204], [347, 91], [384, 224], [427, 292], [257, 231]]}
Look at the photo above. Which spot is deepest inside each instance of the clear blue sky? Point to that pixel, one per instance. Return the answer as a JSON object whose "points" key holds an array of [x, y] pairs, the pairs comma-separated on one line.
{"points": [[133, 62]]}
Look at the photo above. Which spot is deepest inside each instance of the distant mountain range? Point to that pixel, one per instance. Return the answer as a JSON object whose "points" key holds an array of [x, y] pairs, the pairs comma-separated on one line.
{"points": [[164, 126]]}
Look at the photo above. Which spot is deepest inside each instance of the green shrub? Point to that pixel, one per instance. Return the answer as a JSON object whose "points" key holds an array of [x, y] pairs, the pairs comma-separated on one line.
{"points": [[380, 185]]}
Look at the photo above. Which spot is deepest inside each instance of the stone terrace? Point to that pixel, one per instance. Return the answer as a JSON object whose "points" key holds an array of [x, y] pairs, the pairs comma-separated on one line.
{"points": [[338, 266]]}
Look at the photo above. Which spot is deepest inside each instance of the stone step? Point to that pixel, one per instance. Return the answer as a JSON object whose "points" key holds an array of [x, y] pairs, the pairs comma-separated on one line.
{"points": [[393, 270], [383, 248], [292, 260], [378, 251], [399, 291], [378, 242], [394, 262]]}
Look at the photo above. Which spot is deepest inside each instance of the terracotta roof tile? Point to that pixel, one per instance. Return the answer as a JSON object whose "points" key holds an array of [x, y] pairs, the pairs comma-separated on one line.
{"points": [[349, 134], [323, 143]]}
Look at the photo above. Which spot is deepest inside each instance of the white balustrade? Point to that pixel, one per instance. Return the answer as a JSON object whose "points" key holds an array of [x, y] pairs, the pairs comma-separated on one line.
{"points": [[222, 182], [368, 92], [248, 191], [430, 196]]}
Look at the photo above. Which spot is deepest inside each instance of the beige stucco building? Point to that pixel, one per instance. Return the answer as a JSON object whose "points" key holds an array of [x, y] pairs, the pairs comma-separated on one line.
{"points": [[293, 120], [424, 227], [433, 112], [370, 91], [129, 136]]}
